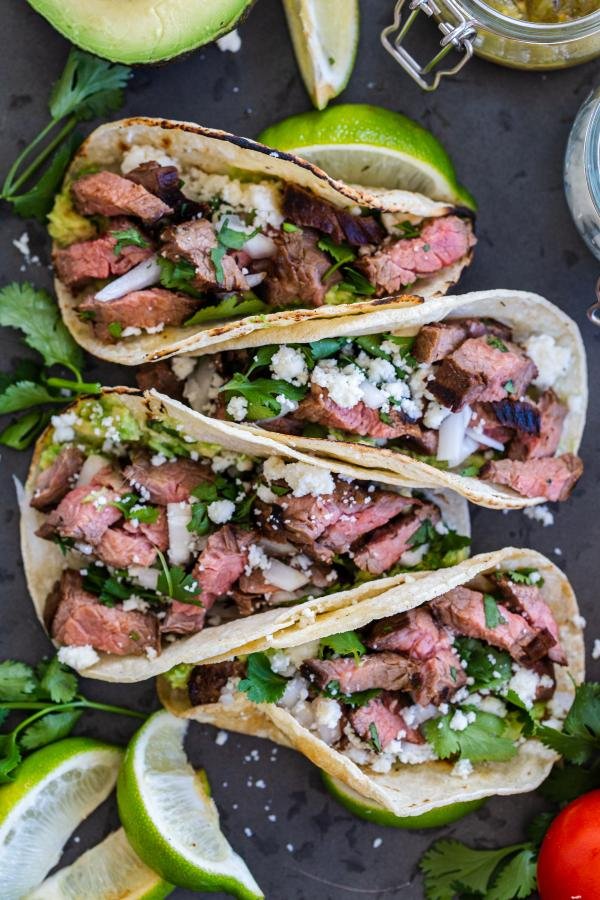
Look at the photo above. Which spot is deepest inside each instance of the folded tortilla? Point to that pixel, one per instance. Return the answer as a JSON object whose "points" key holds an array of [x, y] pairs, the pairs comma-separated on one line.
{"points": [[218, 152], [525, 313], [44, 561], [408, 790]]}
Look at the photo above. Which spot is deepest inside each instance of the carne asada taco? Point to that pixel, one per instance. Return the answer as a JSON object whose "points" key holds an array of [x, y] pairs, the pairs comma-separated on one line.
{"points": [[152, 535], [171, 237], [485, 394], [417, 698]]}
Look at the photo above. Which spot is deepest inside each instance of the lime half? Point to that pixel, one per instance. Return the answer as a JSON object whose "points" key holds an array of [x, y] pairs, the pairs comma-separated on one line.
{"points": [[170, 820], [373, 812], [325, 38], [109, 871], [373, 147], [55, 789]]}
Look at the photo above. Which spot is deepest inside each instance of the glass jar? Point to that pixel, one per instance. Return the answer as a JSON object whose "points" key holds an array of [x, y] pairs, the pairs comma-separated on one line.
{"points": [[471, 26]]}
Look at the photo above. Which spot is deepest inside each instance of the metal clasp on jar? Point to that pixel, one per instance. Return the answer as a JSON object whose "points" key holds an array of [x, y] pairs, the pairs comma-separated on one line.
{"points": [[457, 35], [594, 310]]}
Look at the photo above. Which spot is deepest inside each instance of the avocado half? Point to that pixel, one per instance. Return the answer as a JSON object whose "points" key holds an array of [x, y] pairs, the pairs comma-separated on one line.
{"points": [[141, 31]]}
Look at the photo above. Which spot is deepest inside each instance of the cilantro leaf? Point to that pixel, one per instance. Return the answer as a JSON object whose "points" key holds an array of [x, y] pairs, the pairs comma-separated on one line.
{"points": [[216, 255], [341, 253], [22, 395], [509, 387], [290, 227], [262, 684], [229, 239], [450, 867], [568, 781], [57, 681], [17, 681], [262, 394], [20, 434], [49, 728], [579, 741], [408, 229], [493, 617], [523, 576], [490, 668], [37, 202], [516, 878], [355, 282], [36, 314], [115, 329], [178, 276], [495, 342], [262, 358], [481, 740], [325, 348], [374, 737], [10, 756], [133, 507], [88, 87], [128, 237], [175, 583], [346, 643], [246, 304], [355, 700]]}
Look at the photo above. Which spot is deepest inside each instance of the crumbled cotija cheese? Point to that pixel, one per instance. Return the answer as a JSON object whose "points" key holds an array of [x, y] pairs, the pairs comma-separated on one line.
{"points": [[237, 408], [63, 427], [289, 365], [301, 477], [262, 198], [551, 359], [462, 769], [539, 514], [220, 511], [78, 657], [524, 683], [142, 153], [257, 559], [343, 385]]}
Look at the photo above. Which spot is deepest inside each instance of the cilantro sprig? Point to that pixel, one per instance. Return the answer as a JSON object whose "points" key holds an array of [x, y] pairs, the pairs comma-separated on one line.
{"points": [[36, 315], [262, 394], [50, 694], [128, 237], [88, 88], [346, 643], [245, 304], [262, 684], [451, 868], [481, 740]]}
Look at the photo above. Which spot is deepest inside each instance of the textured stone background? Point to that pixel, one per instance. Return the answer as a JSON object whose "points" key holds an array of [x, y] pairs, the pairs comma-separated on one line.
{"points": [[507, 132]]}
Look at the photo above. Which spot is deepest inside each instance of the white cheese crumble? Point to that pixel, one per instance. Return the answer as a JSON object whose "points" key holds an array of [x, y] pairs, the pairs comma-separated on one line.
{"points": [[237, 408], [135, 603], [263, 199], [343, 385], [142, 153], [327, 712], [579, 621], [22, 245], [539, 514], [551, 359], [287, 405], [231, 42], [301, 477], [462, 769], [221, 738], [461, 720], [289, 365], [220, 511], [524, 683], [78, 657], [183, 366], [596, 649], [257, 559], [63, 427]]}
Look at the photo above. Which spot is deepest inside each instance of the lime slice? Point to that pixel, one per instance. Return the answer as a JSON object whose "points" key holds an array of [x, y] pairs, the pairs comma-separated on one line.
{"points": [[325, 38], [373, 147], [108, 871], [55, 789], [170, 820], [373, 812]]}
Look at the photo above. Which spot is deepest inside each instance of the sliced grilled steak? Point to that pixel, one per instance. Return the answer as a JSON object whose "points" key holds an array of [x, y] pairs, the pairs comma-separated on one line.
{"points": [[520, 415], [443, 241], [207, 682], [367, 512], [108, 194], [543, 667], [299, 519], [463, 610], [388, 671], [57, 480], [320, 408], [528, 600], [532, 444], [295, 273], [414, 633], [194, 241], [81, 620], [109, 478], [380, 721], [385, 547], [159, 376], [441, 676], [309, 211], [484, 418], [553, 478], [152, 308], [156, 532], [437, 339], [164, 182], [121, 549], [478, 371], [172, 482], [84, 514], [86, 261]]}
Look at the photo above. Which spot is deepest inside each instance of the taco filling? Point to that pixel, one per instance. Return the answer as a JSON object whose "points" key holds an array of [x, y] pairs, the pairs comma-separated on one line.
{"points": [[163, 535], [462, 394], [462, 678], [142, 250]]}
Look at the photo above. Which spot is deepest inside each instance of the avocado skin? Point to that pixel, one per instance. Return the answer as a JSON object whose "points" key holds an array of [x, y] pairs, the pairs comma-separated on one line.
{"points": [[124, 41]]}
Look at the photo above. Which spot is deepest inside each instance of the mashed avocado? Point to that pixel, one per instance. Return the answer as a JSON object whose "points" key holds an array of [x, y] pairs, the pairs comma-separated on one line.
{"points": [[65, 225]]}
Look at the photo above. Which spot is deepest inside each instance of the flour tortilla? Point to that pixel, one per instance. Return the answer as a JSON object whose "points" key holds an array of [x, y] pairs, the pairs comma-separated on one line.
{"points": [[527, 314], [411, 789], [219, 152], [44, 561]]}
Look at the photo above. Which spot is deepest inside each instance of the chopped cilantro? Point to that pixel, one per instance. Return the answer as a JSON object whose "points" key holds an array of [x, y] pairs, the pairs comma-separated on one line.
{"points": [[132, 507], [290, 227], [228, 239], [245, 304], [115, 329], [509, 387], [355, 700], [375, 741], [341, 253], [523, 576], [262, 684], [408, 229], [178, 276], [493, 617], [262, 394], [174, 582], [346, 643], [495, 342], [129, 237], [490, 668]]}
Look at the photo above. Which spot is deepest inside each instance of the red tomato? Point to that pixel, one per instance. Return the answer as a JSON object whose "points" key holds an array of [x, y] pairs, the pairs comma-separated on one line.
{"points": [[569, 860]]}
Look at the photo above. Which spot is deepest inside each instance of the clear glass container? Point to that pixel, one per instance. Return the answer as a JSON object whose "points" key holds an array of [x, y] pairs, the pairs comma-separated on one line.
{"points": [[582, 172], [471, 26]]}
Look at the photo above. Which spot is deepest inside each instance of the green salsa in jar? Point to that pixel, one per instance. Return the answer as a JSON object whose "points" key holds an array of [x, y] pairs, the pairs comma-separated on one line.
{"points": [[547, 11]]}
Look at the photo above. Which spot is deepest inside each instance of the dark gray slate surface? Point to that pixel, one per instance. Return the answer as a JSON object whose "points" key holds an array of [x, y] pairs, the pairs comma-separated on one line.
{"points": [[507, 132]]}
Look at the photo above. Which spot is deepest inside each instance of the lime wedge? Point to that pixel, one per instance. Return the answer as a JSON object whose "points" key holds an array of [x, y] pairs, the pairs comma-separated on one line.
{"points": [[373, 812], [325, 37], [373, 147], [108, 871], [170, 820], [55, 789]]}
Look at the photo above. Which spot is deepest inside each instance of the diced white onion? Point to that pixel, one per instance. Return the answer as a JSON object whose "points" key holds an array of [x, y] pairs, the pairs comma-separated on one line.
{"points": [[255, 278], [144, 576], [141, 276], [260, 247], [179, 515], [481, 438], [451, 436], [92, 465], [285, 577]]}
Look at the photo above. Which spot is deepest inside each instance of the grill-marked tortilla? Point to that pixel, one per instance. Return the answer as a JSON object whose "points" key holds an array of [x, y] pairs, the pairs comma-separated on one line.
{"points": [[219, 152], [408, 790], [44, 561]]}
